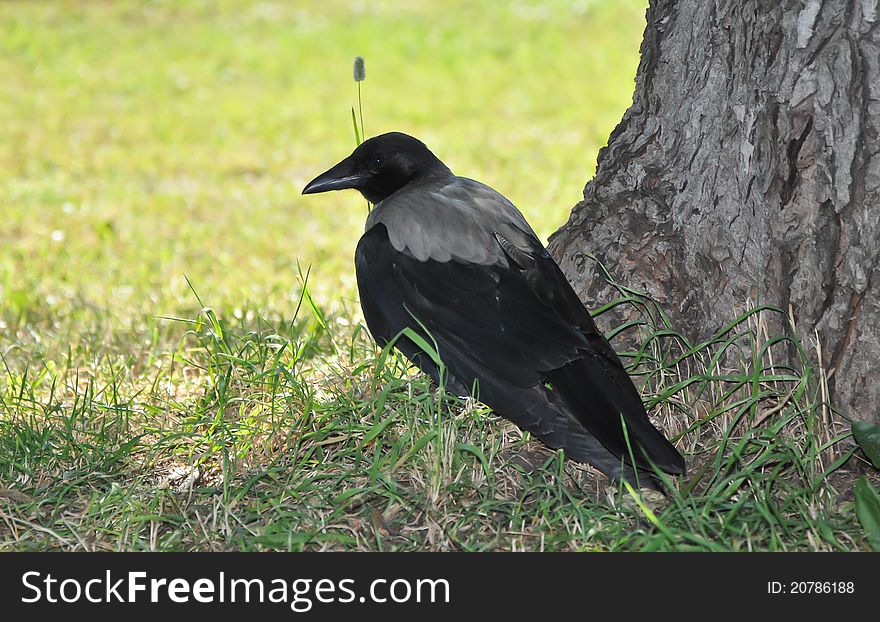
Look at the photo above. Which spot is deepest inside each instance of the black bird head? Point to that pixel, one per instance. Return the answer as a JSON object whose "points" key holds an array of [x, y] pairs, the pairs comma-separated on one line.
{"points": [[381, 166]]}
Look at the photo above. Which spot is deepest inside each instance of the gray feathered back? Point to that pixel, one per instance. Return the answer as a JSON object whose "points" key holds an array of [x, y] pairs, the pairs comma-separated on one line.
{"points": [[451, 218]]}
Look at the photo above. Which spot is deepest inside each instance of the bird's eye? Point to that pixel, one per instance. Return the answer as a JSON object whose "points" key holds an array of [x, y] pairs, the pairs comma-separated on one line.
{"points": [[377, 162]]}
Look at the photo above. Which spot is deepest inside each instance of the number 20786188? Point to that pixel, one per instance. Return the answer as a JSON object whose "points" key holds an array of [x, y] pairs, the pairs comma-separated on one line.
{"points": [[811, 587]]}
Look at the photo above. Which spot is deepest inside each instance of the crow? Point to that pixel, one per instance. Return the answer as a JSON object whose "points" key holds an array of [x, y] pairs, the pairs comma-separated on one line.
{"points": [[455, 262]]}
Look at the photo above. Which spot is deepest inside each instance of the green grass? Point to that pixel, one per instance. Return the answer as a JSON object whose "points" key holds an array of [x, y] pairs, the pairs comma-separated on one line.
{"points": [[150, 146]]}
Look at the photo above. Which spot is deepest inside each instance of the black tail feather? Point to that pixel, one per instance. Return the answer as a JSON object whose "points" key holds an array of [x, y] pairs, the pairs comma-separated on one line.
{"points": [[600, 396]]}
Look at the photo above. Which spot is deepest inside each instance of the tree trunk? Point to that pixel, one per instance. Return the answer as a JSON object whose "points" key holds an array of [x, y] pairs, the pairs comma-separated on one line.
{"points": [[748, 171]]}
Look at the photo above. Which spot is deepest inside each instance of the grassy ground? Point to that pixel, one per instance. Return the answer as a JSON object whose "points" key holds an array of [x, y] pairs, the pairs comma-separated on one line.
{"points": [[152, 151]]}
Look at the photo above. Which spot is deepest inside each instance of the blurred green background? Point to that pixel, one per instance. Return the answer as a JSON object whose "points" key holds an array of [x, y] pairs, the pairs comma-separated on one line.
{"points": [[142, 142]]}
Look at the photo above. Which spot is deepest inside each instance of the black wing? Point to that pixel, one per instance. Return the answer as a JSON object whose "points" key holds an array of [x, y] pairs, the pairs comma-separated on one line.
{"points": [[521, 335]]}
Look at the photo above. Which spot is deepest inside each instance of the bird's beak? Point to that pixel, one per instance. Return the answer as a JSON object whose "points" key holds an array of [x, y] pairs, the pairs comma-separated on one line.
{"points": [[339, 177]]}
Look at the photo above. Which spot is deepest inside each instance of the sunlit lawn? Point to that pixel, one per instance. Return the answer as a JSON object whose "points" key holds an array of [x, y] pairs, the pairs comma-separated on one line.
{"points": [[142, 143]]}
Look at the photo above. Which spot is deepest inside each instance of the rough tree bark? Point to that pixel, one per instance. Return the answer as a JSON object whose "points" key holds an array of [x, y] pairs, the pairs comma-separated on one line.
{"points": [[748, 169]]}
